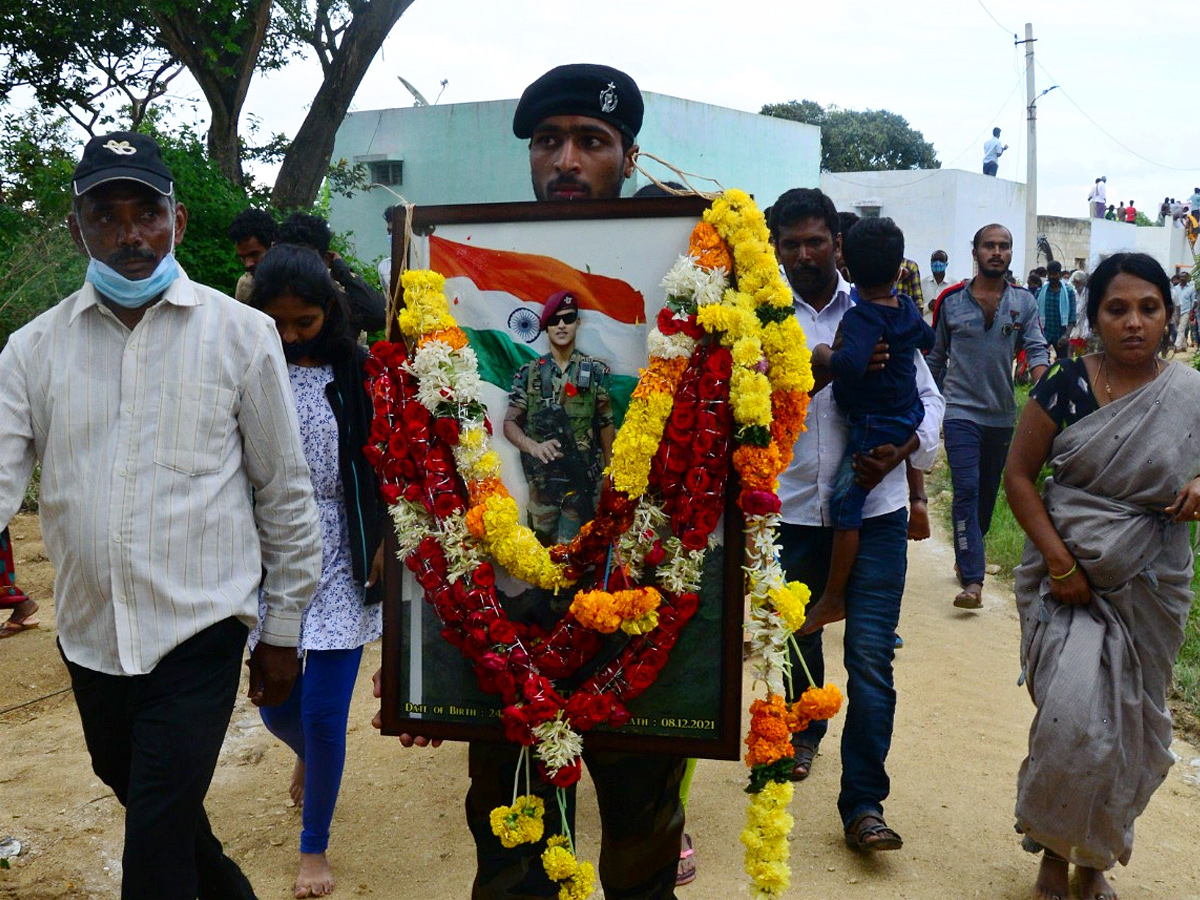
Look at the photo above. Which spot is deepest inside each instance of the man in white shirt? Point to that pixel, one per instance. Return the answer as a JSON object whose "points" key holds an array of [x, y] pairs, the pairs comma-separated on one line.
{"points": [[1097, 198], [935, 282], [804, 228], [173, 487], [992, 148]]}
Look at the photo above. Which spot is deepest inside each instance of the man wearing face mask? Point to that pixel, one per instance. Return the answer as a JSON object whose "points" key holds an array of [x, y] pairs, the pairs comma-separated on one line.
{"points": [[935, 282], [157, 407]]}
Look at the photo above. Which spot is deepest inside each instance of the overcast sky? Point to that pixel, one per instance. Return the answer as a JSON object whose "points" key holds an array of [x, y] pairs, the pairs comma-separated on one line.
{"points": [[1127, 104]]}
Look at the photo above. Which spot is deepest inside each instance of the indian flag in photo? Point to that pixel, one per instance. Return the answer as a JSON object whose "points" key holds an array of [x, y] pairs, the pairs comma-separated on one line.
{"points": [[497, 298]]}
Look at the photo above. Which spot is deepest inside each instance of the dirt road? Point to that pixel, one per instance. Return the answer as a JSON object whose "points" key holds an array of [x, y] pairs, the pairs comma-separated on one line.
{"points": [[399, 830]]}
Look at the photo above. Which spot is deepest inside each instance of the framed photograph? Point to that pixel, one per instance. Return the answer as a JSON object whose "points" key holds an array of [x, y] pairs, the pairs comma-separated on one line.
{"points": [[503, 264]]}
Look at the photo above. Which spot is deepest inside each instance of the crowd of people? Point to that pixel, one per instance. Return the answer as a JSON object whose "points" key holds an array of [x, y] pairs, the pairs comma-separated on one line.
{"points": [[204, 487], [1183, 214]]}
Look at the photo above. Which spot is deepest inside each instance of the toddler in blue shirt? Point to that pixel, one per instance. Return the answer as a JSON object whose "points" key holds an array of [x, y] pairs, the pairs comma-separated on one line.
{"points": [[880, 407]]}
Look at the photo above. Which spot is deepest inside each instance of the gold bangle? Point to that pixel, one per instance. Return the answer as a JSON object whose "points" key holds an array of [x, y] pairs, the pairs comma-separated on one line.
{"points": [[1067, 574]]}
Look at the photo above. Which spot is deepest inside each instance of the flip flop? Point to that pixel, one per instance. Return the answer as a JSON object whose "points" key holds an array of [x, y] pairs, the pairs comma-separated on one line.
{"points": [[686, 873], [9, 628]]}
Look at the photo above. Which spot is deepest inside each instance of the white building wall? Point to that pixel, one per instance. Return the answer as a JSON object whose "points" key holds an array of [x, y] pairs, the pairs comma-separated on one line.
{"points": [[937, 209], [466, 153], [1166, 244]]}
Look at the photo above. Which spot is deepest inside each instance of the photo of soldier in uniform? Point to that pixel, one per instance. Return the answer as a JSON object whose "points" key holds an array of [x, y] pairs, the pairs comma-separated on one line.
{"points": [[560, 418]]}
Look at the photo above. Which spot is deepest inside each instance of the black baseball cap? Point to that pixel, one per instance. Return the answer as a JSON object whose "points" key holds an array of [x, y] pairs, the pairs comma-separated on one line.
{"points": [[581, 89], [122, 156]]}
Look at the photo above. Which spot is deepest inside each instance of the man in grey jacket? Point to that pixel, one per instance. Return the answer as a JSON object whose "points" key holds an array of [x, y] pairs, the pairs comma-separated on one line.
{"points": [[980, 328]]}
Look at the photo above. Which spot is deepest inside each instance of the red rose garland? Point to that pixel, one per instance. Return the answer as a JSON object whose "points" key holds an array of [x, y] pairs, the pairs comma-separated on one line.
{"points": [[513, 660]]}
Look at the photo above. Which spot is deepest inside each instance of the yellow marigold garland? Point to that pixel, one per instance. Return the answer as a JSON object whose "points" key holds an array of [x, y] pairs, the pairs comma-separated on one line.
{"points": [[765, 836], [576, 880], [521, 823], [641, 432]]}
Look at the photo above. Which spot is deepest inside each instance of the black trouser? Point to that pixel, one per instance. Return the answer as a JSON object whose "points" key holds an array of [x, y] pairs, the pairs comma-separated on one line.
{"points": [[641, 820], [154, 739]]}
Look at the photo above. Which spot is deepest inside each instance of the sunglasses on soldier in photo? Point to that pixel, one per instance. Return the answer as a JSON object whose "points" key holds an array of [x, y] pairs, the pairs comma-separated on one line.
{"points": [[567, 318]]}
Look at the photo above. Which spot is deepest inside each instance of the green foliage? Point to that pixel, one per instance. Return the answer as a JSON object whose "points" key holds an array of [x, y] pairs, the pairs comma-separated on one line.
{"points": [[33, 492], [860, 140], [346, 178], [1142, 220], [1187, 667], [39, 264], [212, 200], [84, 58]]}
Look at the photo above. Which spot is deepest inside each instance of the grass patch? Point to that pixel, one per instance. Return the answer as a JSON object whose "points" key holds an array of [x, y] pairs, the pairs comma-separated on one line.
{"points": [[1004, 544], [1187, 669]]}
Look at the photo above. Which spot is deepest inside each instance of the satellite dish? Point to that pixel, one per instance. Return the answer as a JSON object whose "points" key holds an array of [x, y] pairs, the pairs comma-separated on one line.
{"points": [[418, 97]]}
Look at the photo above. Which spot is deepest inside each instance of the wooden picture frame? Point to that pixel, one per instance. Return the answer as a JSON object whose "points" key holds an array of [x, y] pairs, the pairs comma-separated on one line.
{"points": [[622, 246]]}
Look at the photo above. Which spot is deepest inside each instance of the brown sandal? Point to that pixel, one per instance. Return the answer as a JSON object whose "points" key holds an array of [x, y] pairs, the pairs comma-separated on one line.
{"points": [[970, 597], [802, 761], [869, 833]]}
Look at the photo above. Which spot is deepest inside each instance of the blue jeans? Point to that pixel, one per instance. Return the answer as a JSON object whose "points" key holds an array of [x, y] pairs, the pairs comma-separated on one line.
{"points": [[872, 612], [312, 721], [866, 432], [976, 455]]}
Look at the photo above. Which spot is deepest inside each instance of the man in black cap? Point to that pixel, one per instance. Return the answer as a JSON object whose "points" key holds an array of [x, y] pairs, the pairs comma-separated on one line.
{"points": [[158, 408], [581, 122]]}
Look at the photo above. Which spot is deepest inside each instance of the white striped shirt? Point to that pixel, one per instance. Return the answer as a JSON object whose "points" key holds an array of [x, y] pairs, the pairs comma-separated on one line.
{"points": [[150, 442]]}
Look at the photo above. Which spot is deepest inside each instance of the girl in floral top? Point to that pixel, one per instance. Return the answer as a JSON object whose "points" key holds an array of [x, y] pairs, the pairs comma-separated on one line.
{"points": [[325, 365]]}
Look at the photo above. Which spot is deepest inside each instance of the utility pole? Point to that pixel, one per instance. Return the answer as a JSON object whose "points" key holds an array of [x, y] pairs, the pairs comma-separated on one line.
{"points": [[1030, 159]]}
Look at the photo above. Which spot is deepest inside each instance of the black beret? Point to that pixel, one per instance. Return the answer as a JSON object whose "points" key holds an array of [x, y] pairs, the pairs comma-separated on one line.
{"points": [[581, 89]]}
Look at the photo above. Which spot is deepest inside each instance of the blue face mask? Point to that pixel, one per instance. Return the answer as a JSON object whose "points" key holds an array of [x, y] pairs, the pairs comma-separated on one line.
{"points": [[937, 266], [125, 292]]}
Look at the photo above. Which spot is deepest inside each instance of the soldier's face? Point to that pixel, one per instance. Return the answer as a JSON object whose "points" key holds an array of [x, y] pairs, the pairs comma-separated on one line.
{"points": [[578, 158], [562, 328]]}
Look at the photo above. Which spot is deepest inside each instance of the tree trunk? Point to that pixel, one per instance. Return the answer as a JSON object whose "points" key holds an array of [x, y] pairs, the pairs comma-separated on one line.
{"points": [[223, 74], [307, 160]]}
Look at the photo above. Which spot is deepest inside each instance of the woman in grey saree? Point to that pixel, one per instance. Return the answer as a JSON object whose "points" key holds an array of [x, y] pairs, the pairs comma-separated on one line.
{"points": [[1103, 589]]}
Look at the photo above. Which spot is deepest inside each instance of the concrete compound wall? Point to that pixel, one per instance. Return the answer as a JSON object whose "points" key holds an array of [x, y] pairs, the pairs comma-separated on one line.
{"points": [[937, 209], [466, 153], [1166, 244], [1070, 240]]}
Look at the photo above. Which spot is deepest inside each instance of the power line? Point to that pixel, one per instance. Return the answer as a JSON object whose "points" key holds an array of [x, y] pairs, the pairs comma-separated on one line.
{"points": [[1106, 132], [1007, 31], [947, 163]]}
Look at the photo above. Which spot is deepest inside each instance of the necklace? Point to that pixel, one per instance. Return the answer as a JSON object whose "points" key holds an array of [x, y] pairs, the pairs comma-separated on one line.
{"points": [[1104, 374]]}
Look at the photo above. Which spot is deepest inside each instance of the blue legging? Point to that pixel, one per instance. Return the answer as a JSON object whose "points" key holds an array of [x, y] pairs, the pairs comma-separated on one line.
{"points": [[312, 721]]}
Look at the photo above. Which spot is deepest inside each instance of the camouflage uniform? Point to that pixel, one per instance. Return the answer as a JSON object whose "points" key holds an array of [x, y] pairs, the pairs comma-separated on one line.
{"points": [[557, 508]]}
